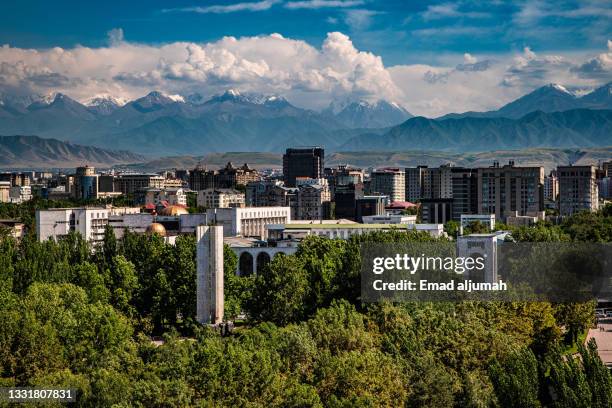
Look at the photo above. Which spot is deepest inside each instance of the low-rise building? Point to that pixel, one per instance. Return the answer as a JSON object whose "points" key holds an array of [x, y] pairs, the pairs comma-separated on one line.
{"points": [[20, 194], [249, 221], [220, 198], [166, 196], [389, 219]]}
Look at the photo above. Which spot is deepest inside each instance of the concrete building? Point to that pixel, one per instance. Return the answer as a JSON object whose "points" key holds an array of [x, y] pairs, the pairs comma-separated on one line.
{"points": [[20, 194], [414, 183], [577, 189], [464, 191], [400, 207], [5, 191], [370, 205], [481, 246], [345, 200], [85, 183], [511, 190], [313, 200], [220, 198], [604, 187], [389, 219], [390, 182], [201, 178], [270, 193], [551, 186], [303, 162], [338, 229], [249, 221], [488, 220], [58, 222], [436, 210], [437, 182], [209, 275], [131, 183], [230, 176], [167, 196]]}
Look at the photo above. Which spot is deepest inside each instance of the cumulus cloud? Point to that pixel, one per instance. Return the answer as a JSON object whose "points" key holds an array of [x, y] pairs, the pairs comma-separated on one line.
{"points": [[308, 76], [115, 36], [598, 67]]}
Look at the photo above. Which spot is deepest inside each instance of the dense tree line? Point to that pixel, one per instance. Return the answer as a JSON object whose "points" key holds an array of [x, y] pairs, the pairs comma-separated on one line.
{"points": [[70, 316]]}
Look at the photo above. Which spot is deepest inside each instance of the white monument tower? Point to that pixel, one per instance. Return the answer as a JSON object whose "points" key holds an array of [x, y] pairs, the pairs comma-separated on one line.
{"points": [[209, 274]]}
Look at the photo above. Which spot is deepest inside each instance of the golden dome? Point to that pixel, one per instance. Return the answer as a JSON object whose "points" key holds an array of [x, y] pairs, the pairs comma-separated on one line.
{"points": [[173, 210], [156, 228]]}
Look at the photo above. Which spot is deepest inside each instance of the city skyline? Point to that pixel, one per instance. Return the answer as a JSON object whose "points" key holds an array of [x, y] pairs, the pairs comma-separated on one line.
{"points": [[432, 58]]}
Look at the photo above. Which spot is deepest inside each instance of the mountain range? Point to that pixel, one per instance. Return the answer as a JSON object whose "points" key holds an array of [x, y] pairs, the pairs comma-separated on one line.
{"points": [[159, 124], [35, 152]]}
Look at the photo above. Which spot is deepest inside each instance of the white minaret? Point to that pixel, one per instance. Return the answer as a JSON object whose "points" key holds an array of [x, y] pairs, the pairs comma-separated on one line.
{"points": [[209, 274]]}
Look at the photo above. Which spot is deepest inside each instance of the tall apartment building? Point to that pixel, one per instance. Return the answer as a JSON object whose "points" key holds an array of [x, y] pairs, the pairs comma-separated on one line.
{"points": [[464, 187], [131, 183], [313, 201], [437, 182], [390, 182], [302, 162], [201, 178], [551, 186], [577, 189], [511, 191], [414, 183]]}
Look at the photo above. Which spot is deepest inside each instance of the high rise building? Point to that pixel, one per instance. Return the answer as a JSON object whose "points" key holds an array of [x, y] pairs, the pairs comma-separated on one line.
{"points": [[370, 205], [464, 187], [390, 182], [230, 176], [302, 162], [437, 182], [201, 178], [577, 189], [414, 183], [511, 191]]}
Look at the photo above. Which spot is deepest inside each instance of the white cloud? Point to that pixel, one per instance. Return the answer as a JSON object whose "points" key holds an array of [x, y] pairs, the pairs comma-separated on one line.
{"points": [[115, 36], [359, 19], [450, 10], [230, 8], [318, 4], [306, 75]]}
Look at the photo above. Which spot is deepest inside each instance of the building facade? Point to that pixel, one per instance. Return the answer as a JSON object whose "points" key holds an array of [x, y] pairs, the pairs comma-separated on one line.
{"points": [[389, 182], [578, 189], [249, 221], [220, 198], [302, 162]]}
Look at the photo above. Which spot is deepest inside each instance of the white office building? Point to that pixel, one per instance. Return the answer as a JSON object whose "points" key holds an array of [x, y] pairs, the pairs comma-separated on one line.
{"points": [[249, 221]]}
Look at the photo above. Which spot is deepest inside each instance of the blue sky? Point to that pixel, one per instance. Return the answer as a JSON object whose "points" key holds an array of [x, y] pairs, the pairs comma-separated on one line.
{"points": [[430, 56], [399, 31]]}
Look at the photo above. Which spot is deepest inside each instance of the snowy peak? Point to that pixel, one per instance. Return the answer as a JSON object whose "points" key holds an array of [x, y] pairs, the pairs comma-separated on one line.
{"points": [[368, 114], [155, 100], [104, 104], [235, 96]]}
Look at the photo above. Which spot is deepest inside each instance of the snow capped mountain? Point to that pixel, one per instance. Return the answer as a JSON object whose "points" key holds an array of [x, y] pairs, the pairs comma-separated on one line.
{"points": [[41, 101], [155, 100], [367, 114], [104, 104], [234, 95], [600, 98]]}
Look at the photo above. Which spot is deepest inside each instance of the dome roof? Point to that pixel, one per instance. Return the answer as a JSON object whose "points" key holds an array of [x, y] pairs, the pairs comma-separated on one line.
{"points": [[156, 228], [173, 210]]}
